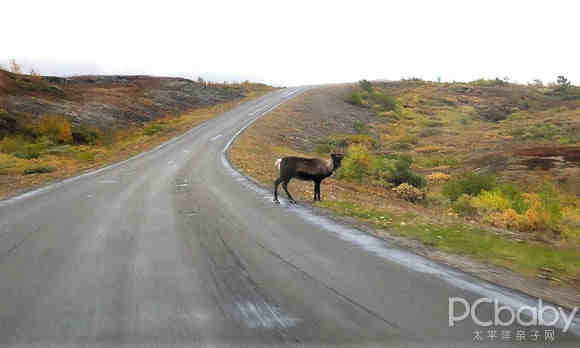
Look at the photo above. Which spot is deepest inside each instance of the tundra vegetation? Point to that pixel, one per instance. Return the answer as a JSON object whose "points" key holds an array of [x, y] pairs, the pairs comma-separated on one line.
{"points": [[488, 169], [38, 145]]}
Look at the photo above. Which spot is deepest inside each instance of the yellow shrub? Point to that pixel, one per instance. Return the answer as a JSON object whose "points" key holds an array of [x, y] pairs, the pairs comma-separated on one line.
{"points": [[57, 128], [357, 164], [545, 211], [509, 219], [535, 219], [542, 214], [512, 219], [490, 201]]}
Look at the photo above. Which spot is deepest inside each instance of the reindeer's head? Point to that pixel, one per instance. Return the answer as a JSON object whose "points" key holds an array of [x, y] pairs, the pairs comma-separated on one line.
{"points": [[336, 160]]}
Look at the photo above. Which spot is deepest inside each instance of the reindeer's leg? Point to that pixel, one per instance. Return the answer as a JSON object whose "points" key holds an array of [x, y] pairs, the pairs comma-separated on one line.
{"points": [[276, 183], [317, 190], [285, 186]]}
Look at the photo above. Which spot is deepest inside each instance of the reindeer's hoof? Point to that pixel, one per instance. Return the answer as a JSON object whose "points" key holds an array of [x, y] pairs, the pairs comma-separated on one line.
{"points": [[292, 201], [276, 201]]}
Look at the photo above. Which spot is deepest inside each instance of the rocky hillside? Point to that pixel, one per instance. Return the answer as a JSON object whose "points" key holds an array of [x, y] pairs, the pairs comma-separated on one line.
{"points": [[103, 100]]}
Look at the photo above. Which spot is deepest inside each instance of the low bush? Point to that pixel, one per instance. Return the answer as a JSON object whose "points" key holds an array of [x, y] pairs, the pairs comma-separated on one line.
{"points": [[84, 135], [39, 170], [490, 201], [507, 207], [154, 128], [463, 206], [360, 127], [515, 197], [386, 102], [355, 98], [409, 193], [22, 147], [400, 172], [350, 139], [322, 148], [357, 164], [493, 114], [540, 131], [86, 156], [57, 128], [468, 183], [366, 85], [13, 144], [437, 178], [436, 161]]}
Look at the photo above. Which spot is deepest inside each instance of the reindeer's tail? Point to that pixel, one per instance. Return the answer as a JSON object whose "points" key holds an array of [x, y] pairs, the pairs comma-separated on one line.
{"points": [[277, 163]]}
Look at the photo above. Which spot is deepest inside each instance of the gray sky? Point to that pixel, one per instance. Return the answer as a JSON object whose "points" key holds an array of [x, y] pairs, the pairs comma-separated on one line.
{"points": [[296, 42]]}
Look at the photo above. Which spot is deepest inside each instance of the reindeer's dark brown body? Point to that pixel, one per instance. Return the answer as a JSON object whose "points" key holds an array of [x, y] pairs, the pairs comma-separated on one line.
{"points": [[307, 169]]}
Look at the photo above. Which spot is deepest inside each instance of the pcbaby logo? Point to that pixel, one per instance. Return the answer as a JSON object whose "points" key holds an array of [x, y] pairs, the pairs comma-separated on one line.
{"points": [[525, 316]]}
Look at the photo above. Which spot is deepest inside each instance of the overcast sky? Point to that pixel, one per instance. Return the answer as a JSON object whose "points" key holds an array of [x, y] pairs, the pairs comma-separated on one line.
{"points": [[296, 42]]}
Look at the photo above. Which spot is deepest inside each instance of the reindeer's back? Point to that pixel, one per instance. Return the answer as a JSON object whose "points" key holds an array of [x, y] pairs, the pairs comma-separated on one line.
{"points": [[303, 168]]}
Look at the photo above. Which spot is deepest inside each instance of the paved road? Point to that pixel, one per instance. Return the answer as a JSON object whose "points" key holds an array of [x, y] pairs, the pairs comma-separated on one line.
{"points": [[174, 248]]}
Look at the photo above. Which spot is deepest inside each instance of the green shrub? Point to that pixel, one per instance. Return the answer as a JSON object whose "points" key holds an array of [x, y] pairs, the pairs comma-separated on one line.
{"points": [[23, 147], [322, 148], [540, 131], [436, 161], [463, 206], [84, 135], [349, 139], [429, 132], [573, 139], [514, 195], [360, 127], [355, 98], [400, 172], [39, 170], [29, 154], [13, 144], [161, 126], [86, 156], [550, 200], [386, 102], [468, 183], [366, 85], [493, 114]]}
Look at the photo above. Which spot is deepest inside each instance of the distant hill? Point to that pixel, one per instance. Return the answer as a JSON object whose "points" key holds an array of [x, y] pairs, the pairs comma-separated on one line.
{"points": [[105, 100]]}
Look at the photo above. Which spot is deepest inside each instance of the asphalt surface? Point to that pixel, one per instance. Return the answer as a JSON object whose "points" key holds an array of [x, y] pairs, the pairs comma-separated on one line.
{"points": [[175, 248]]}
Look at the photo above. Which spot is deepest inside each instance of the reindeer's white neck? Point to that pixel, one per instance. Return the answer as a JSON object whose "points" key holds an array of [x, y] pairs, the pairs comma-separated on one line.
{"points": [[330, 164]]}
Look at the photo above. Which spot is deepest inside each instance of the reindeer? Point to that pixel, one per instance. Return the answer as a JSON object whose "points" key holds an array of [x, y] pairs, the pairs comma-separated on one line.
{"points": [[307, 169]]}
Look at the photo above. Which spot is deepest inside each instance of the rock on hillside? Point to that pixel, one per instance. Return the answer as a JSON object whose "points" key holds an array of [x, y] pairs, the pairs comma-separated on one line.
{"points": [[102, 100]]}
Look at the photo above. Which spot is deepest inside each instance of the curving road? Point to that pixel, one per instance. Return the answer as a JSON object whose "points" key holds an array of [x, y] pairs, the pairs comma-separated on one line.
{"points": [[175, 248]]}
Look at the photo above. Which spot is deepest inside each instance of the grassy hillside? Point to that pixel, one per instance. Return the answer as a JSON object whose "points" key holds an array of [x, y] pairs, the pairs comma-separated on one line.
{"points": [[53, 127], [503, 154], [486, 169]]}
